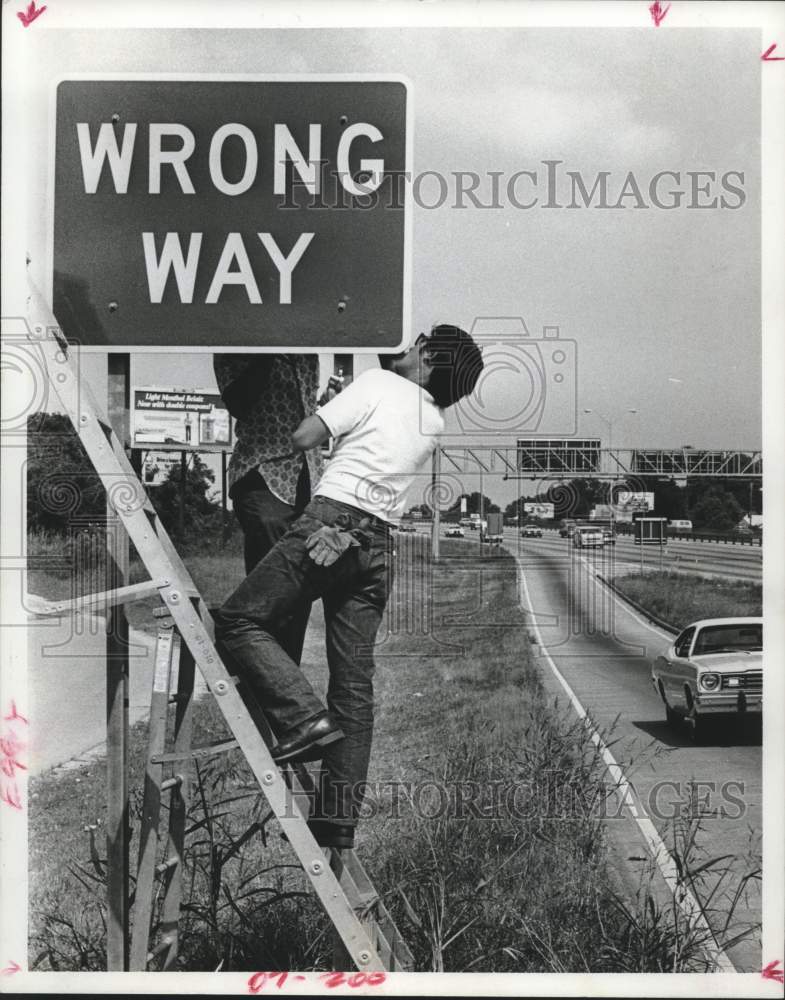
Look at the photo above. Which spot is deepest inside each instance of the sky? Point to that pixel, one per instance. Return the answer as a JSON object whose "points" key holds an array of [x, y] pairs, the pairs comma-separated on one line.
{"points": [[660, 308]]}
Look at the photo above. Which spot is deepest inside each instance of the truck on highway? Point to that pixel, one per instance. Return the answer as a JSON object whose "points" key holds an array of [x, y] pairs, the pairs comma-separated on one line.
{"points": [[492, 529]]}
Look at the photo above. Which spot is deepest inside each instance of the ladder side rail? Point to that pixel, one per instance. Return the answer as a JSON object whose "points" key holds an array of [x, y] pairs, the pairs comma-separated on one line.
{"points": [[104, 448], [366, 913], [398, 955], [281, 800], [151, 805], [163, 563], [178, 806]]}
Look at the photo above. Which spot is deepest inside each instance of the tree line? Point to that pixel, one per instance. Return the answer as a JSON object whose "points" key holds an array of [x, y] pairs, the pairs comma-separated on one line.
{"points": [[711, 504], [63, 489]]}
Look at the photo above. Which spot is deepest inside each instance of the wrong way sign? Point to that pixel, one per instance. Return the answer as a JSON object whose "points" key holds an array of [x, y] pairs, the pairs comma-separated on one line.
{"points": [[232, 213]]}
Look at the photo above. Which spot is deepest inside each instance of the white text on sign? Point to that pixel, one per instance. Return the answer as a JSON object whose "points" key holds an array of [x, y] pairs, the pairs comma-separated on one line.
{"points": [[233, 267]]}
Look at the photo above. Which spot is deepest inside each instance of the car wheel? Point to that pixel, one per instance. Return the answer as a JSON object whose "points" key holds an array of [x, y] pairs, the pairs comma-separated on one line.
{"points": [[671, 717], [697, 724]]}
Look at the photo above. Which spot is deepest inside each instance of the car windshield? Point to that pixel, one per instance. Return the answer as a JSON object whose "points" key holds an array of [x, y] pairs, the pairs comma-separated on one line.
{"points": [[728, 639]]}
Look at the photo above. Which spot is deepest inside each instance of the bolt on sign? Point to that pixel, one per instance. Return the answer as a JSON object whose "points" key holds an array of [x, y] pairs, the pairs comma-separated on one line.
{"points": [[232, 213]]}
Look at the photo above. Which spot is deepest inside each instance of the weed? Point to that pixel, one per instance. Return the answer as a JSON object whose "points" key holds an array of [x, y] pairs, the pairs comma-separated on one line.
{"points": [[681, 598]]}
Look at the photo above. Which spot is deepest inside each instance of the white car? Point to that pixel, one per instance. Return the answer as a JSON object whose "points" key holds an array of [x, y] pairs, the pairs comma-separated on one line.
{"points": [[531, 531], [584, 538], [713, 667], [454, 532]]}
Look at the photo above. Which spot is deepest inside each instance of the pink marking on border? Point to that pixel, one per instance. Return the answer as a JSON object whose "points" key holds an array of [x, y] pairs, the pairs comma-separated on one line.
{"points": [[28, 16], [15, 715], [658, 13], [768, 57]]}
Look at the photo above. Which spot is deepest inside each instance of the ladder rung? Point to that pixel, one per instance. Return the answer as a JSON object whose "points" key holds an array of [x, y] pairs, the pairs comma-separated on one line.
{"points": [[103, 599], [161, 947], [174, 782], [198, 752], [165, 866]]}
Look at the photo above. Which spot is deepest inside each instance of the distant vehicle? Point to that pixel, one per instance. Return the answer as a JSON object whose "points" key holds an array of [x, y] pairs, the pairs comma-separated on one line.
{"points": [[531, 531], [584, 538], [609, 534], [465, 522], [454, 531], [406, 528], [474, 521], [567, 528], [492, 529], [713, 667], [607, 528], [680, 526]]}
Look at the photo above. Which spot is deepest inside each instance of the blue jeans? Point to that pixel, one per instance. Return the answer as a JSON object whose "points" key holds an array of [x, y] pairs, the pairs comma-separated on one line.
{"points": [[265, 519], [354, 592]]}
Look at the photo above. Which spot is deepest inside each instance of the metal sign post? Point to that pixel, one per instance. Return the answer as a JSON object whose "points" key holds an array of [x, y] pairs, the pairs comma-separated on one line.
{"points": [[117, 674], [435, 509]]}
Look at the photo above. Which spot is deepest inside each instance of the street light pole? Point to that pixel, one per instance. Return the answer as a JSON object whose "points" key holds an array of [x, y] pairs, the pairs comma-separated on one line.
{"points": [[609, 424]]}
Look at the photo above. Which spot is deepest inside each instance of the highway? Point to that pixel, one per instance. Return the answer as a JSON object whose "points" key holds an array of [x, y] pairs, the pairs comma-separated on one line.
{"points": [[593, 650], [602, 651], [741, 562]]}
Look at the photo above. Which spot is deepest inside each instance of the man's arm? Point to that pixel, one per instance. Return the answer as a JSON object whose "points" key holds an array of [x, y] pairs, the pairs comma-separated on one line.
{"points": [[310, 434]]}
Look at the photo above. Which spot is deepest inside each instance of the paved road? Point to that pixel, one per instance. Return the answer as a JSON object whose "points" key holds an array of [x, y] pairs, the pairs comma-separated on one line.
{"points": [[742, 562], [67, 688], [603, 651]]}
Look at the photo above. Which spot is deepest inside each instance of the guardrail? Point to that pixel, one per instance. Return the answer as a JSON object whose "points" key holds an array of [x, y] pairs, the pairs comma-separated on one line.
{"points": [[726, 537]]}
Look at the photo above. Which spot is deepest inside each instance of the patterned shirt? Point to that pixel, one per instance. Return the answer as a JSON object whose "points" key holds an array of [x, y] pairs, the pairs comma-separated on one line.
{"points": [[263, 440]]}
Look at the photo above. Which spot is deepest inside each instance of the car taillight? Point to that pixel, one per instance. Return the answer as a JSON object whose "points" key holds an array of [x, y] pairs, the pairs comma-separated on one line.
{"points": [[710, 682]]}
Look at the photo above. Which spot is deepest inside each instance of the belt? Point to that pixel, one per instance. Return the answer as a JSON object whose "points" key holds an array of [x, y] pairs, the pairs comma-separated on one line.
{"points": [[351, 514]]}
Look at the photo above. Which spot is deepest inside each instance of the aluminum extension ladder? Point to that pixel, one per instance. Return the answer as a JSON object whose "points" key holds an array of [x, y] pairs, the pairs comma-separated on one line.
{"points": [[360, 919]]}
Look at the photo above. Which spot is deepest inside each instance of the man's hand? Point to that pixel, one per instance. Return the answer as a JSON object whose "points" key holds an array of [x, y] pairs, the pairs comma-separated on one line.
{"points": [[326, 545]]}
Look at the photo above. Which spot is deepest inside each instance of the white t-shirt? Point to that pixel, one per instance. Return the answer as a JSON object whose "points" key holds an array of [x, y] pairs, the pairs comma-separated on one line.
{"points": [[385, 428]]}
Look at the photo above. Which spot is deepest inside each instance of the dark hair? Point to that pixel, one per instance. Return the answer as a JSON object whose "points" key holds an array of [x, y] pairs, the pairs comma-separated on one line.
{"points": [[457, 364]]}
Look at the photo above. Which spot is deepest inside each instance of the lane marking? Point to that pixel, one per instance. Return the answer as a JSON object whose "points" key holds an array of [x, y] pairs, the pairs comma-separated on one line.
{"points": [[684, 899], [623, 604]]}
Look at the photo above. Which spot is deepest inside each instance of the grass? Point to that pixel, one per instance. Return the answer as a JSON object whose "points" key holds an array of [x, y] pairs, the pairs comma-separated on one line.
{"points": [[681, 598], [63, 569], [482, 826]]}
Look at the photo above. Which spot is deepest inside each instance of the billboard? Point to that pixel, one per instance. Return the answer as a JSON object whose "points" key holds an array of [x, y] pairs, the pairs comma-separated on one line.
{"points": [[179, 420], [543, 510], [157, 465], [233, 212], [629, 501]]}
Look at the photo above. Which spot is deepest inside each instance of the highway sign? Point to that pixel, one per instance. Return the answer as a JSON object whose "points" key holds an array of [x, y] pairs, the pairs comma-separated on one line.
{"points": [[650, 530], [232, 213]]}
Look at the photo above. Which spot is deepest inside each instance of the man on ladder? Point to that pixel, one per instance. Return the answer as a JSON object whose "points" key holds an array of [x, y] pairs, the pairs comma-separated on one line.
{"points": [[385, 426]]}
